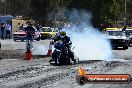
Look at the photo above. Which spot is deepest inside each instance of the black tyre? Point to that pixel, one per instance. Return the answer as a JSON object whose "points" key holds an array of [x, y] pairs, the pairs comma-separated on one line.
{"points": [[114, 48], [125, 47], [22, 40], [42, 38], [38, 39], [14, 39], [82, 80]]}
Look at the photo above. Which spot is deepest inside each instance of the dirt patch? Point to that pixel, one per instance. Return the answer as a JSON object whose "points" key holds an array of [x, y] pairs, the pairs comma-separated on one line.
{"points": [[17, 54], [13, 54]]}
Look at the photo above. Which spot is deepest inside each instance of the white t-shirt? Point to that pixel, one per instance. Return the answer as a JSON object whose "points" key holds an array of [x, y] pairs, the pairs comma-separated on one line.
{"points": [[8, 27]]}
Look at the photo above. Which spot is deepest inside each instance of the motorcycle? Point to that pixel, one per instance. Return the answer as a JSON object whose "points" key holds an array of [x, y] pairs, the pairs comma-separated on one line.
{"points": [[61, 56]]}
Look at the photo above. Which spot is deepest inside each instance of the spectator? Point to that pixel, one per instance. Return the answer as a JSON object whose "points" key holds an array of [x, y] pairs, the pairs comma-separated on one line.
{"points": [[124, 28], [17, 27], [21, 27], [8, 30], [101, 28], [38, 27], [2, 30], [30, 31]]}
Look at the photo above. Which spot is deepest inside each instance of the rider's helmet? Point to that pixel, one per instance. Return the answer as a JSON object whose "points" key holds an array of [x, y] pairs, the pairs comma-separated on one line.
{"points": [[62, 34]]}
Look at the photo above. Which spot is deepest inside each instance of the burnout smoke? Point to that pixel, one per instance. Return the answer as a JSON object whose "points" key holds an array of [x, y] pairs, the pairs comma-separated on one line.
{"points": [[89, 43], [39, 49]]}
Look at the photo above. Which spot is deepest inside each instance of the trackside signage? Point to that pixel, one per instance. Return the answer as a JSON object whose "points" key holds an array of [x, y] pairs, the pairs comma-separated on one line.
{"points": [[83, 78]]}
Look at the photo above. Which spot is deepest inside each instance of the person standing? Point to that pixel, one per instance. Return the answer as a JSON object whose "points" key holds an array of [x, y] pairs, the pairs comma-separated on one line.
{"points": [[17, 27], [30, 31], [101, 27], [124, 28], [2, 30], [21, 28], [8, 30], [38, 26]]}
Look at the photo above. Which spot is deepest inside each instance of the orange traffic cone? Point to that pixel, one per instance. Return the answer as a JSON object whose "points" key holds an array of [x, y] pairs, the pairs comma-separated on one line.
{"points": [[50, 49], [28, 55]]}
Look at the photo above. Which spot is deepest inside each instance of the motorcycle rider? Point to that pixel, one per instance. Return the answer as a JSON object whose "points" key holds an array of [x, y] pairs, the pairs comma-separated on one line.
{"points": [[30, 31], [59, 41]]}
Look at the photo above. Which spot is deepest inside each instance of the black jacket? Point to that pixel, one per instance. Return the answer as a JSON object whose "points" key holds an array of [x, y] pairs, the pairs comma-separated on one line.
{"points": [[29, 30]]}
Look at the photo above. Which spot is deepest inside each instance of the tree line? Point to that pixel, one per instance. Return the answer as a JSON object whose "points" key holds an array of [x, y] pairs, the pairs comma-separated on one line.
{"points": [[106, 11]]}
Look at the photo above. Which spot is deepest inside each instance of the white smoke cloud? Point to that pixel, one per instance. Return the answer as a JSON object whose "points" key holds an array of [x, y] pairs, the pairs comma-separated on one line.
{"points": [[89, 43], [39, 49]]}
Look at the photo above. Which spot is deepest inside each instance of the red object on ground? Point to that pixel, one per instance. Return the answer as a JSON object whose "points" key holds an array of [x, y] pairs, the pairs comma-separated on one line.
{"points": [[28, 55], [49, 52], [50, 49]]}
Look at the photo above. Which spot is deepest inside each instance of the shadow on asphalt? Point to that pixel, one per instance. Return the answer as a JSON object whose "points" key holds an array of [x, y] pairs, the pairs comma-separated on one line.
{"points": [[119, 49], [89, 61]]}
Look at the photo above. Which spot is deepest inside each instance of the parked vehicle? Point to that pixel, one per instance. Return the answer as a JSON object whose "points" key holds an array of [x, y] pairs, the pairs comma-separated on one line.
{"points": [[117, 38], [47, 32], [21, 35], [129, 34], [107, 29]]}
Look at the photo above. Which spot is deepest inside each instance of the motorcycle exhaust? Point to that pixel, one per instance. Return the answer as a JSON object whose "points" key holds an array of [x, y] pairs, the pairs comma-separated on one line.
{"points": [[73, 48]]}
